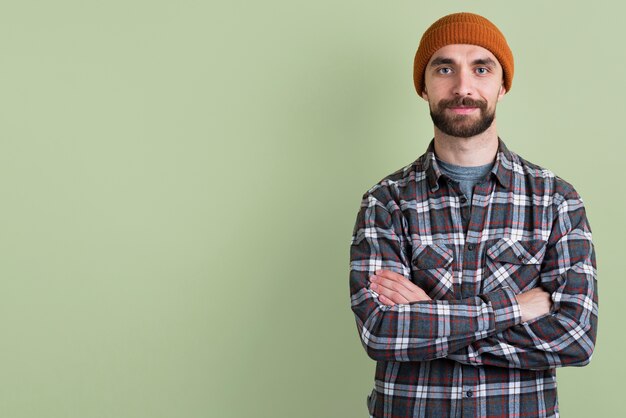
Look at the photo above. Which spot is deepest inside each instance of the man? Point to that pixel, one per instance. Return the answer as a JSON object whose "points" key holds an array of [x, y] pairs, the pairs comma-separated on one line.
{"points": [[472, 273]]}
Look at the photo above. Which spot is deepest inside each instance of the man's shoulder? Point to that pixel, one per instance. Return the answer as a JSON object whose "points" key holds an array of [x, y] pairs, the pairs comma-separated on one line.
{"points": [[545, 180], [394, 186]]}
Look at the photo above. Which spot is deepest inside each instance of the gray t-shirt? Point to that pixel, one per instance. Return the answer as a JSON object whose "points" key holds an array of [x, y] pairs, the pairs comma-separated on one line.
{"points": [[466, 176]]}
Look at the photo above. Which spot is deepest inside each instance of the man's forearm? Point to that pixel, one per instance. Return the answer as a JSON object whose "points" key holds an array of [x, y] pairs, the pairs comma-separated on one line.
{"points": [[394, 289], [550, 341], [428, 330]]}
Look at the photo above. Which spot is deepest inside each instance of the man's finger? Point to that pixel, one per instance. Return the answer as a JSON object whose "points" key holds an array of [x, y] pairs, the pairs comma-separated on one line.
{"points": [[390, 294], [388, 283], [398, 278], [385, 300], [406, 288]]}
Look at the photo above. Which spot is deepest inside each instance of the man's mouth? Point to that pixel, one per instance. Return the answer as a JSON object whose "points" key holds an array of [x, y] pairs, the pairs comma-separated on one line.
{"points": [[462, 110]]}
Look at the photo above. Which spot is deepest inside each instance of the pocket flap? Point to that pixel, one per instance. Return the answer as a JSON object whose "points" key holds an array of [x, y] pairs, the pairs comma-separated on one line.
{"points": [[517, 252], [431, 256]]}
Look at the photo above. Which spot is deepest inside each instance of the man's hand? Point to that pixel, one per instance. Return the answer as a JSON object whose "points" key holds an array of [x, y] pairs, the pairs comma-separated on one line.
{"points": [[393, 288], [534, 303]]}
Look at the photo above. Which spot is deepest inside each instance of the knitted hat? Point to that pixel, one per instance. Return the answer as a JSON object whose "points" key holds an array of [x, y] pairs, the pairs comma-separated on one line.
{"points": [[462, 28]]}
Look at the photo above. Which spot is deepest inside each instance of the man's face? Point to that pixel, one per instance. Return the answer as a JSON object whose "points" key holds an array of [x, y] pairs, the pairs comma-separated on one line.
{"points": [[463, 83]]}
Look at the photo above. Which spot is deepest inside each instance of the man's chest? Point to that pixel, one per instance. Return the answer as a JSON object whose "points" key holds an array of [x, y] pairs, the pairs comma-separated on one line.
{"points": [[458, 249]]}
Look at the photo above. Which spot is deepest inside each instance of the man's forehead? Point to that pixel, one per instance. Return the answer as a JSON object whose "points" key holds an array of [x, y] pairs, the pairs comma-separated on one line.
{"points": [[470, 52]]}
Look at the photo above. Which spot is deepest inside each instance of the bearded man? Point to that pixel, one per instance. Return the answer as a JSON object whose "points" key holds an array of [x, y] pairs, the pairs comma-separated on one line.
{"points": [[472, 270]]}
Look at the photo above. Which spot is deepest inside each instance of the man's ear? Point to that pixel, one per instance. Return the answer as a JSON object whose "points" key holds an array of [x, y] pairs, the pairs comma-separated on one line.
{"points": [[424, 94], [501, 92]]}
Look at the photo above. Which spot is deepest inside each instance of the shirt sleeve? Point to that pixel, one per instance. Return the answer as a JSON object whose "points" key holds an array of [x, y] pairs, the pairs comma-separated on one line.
{"points": [[421, 330], [567, 335]]}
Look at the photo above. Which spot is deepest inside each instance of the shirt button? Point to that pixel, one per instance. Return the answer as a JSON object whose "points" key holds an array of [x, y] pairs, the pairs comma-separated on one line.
{"points": [[463, 199], [470, 247], [469, 393], [521, 258]]}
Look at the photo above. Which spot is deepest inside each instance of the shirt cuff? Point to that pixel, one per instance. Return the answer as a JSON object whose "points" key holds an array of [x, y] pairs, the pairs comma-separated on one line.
{"points": [[506, 310]]}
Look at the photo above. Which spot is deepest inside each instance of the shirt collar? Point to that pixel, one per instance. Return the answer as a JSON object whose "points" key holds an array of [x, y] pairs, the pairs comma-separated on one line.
{"points": [[501, 170]]}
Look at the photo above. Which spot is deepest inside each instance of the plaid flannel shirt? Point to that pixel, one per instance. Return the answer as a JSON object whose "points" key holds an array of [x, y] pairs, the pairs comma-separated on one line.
{"points": [[467, 353]]}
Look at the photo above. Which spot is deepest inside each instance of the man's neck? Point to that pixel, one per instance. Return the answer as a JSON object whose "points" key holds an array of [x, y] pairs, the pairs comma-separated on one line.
{"points": [[467, 152]]}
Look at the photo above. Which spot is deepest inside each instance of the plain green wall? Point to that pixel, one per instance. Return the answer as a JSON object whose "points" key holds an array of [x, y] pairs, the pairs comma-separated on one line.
{"points": [[179, 182]]}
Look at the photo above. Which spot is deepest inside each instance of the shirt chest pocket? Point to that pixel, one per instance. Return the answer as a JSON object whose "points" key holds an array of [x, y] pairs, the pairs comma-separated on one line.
{"points": [[431, 270], [516, 264]]}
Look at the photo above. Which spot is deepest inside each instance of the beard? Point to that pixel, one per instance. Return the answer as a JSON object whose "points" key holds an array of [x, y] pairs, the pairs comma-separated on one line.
{"points": [[462, 126]]}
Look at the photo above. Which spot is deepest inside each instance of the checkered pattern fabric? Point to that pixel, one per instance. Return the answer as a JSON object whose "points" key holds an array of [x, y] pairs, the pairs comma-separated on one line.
{"points": [[467, 353]]}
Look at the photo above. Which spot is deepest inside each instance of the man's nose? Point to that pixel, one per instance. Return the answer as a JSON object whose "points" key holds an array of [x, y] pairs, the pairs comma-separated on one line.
{"points": [[463, 84]]}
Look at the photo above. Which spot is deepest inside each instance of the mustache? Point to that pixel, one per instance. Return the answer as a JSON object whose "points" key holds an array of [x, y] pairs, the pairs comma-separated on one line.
{"points": [[462, 101]]}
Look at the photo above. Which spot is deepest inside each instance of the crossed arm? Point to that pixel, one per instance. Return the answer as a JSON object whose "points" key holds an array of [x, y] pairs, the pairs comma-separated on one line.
{"points": [[394, 288], [550, 326]]}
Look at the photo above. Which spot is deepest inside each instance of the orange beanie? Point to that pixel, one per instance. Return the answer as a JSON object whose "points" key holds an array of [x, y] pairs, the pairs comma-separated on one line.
{"points": [[462, 28]]}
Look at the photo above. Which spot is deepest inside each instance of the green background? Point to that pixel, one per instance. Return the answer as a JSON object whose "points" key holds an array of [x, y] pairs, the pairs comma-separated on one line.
{"points": [[180, 181]]}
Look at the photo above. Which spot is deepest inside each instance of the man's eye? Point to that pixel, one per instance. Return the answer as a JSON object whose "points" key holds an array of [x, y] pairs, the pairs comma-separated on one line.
{"points": [[482, 70], [444, 70]]}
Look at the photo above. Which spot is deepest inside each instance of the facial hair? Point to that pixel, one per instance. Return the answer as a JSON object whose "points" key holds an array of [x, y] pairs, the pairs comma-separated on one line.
{"points": [[462, 126]]}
